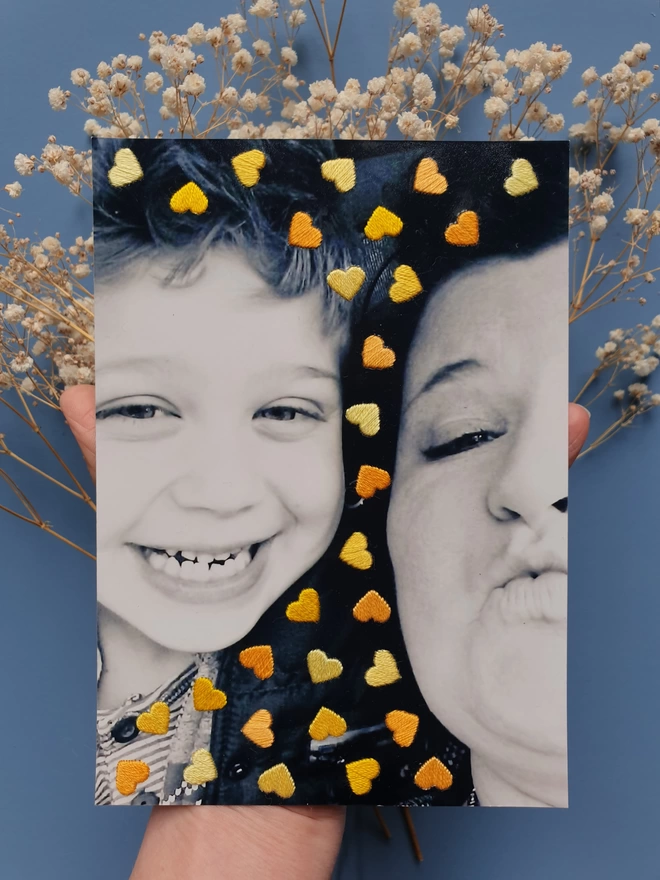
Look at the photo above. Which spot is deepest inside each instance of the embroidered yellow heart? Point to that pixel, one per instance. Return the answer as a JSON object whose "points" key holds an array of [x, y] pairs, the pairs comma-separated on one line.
{"points": [[156, 720], [375, 354], [323, 668], [129, 775], [248, 165], [257, 729], [403, 726], [384, 671], [189, 198], [428, 179], [406, 285], [327, 723], [259, 659], [206, 698], [126, 168], [465, 232], [381, 223], [303, 233], [347, 283], [370, 479], [355, 553], [361, 774], [523, 180], [433, 774], [366, 416], [372, 606], [307, 609], [341, 172], [201, 768], [277, 781]]}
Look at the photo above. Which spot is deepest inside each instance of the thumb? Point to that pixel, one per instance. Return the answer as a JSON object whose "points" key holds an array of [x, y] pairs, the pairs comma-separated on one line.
{"points": [[77, 405], [578, 428]]}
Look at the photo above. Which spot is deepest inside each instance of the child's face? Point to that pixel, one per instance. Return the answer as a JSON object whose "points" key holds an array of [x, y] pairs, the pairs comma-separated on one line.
{"points": [[219, 436]]}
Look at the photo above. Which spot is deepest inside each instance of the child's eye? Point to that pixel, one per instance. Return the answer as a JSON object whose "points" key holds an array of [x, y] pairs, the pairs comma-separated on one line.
{"points": [[288, 420], [283, 413], [137, 418], [463, 443], [134, 411]]}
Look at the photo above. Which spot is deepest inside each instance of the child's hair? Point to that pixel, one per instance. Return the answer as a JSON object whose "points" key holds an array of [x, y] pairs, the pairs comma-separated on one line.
{"points": [[135, 223]]}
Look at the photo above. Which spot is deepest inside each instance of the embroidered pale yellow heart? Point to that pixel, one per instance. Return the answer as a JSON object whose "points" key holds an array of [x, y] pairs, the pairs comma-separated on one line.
{"points": [[126, 168], [428, 179], [259, 659], [403, 726], [303, 233], [375, 354], [257, 729], [129, 774], [355, 553], [206, 698], [366, 416], [406, 285], [277, 781], [370, 479], [465, 232], [307, 609], [323, 668], [248, 165], [327, 723], [347, 283], [381, 223], [433, 774], [156, 720], [372, 606], [341, 172], [361, 774], [384, 671], [523, 180], [201, 768], [189, 198]]}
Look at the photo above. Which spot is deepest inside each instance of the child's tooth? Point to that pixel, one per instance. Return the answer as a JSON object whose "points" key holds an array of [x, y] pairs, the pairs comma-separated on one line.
{"points": [[200, 573], [188, 570], [173, 568], [222, 557], [188, 554], [157, 561], [171, 552], [242, 560], [204, 558], [228, 568]]}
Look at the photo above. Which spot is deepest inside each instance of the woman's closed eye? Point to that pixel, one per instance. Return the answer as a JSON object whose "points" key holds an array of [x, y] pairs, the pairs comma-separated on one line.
{"points": [[464, 442]]}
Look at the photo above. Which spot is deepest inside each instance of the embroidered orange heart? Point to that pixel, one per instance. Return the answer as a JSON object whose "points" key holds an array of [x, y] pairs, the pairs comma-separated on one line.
{"points": [[259, 659], [303, 233], [366, 416], [156, 720], [428, 179], [370, 479], [307, 609], [189, 198], [126, 168], [129, 775], [381, 223], [201, 768], [327, 723], [403, 726], [406, 285], [433, 774], [257, 729], [372, 606], [465, 232], [384, 671], [348, 283], [248, 165], [323, 668], [523, 179], [206, 698], [375, 355], [278, 780], [341, 172], [355, 553], [361, 774]]}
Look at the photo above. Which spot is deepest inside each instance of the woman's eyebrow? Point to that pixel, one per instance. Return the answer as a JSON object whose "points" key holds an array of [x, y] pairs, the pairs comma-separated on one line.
{"points": [[444, 373]]}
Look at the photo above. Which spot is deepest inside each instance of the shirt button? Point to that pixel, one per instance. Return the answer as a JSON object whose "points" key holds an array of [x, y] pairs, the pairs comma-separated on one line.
{"points": [[125, 730], [145, 799], [238, 770]]}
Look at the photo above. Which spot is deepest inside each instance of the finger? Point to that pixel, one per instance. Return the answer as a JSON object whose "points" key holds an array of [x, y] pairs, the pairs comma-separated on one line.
{"points": [[78, 408], [578, 428]]}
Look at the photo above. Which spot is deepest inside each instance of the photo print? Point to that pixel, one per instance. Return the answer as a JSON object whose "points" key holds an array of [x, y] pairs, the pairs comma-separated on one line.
{"points": [[332, 472]]}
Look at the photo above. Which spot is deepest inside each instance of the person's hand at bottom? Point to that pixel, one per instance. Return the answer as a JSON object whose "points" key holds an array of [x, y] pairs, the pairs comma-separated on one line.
{"points": [[292, 843]]}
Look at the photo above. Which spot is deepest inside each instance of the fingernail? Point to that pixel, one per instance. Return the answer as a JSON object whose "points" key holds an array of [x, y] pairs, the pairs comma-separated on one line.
{"points": [[584, 408]]}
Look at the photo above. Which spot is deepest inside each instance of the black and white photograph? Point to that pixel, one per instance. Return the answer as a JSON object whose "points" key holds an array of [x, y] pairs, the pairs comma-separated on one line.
{"points": [[331, 384]]}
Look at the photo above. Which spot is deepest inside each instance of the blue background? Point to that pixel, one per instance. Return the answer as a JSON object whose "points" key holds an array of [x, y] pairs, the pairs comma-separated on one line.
{"points": [[48, 826]]}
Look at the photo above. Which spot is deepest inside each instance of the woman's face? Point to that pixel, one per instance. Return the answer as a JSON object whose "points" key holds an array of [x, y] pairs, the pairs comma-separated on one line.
{"points": [[477, 524]]}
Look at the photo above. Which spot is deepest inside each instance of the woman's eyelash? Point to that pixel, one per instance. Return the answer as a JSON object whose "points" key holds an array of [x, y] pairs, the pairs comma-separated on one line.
{"points": [[464, 443]]}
